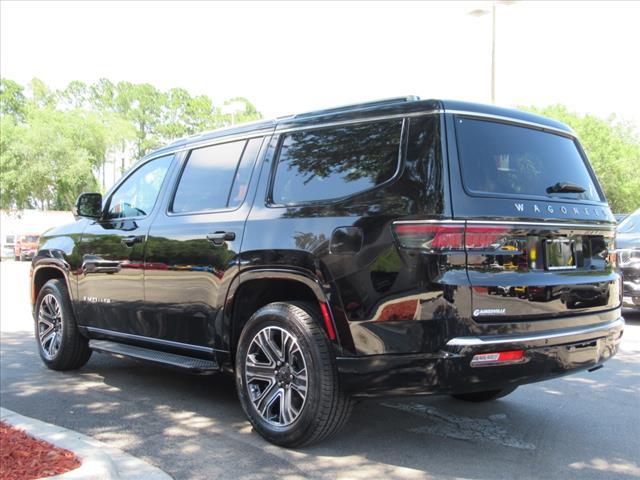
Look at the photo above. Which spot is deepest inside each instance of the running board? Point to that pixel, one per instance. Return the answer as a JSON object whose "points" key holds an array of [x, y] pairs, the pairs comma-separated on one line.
{"points": [[121, 350]]}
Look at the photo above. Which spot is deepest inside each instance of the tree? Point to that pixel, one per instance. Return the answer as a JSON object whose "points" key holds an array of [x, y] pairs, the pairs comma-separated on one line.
{"points": [[613, 149], [142, 105], [76, 95], [184, 115], [12, 99], [53, 143], [41, 95], [249, 114], [50, 159], [103, 95]]}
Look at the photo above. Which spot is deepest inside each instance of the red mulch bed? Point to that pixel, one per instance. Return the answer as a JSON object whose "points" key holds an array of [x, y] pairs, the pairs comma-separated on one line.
{"points": [[24, 458]]}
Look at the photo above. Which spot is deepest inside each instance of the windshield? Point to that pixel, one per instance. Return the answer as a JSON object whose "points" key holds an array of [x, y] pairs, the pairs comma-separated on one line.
{"points": [[631, 224], [513, 160], [30, 238]]}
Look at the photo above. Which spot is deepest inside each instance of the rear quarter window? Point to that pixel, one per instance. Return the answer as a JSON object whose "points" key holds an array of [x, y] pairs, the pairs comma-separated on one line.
{"points": [[335, 162], [510, 160]]}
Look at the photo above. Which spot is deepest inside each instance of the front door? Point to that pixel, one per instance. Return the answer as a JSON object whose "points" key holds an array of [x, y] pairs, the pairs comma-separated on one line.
{"points": [[193, 245], [110, 284]]}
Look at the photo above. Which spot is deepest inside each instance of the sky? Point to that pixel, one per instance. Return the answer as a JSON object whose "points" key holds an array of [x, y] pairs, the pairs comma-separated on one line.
{"points": [[293, 57]]}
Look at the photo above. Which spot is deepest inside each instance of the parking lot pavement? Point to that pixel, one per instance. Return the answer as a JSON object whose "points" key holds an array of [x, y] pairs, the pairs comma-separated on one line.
{"points": [[582, 426]]}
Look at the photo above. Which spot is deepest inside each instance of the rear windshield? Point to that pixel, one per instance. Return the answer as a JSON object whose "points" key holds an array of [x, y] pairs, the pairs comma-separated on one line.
{"points": [[512, 160]]}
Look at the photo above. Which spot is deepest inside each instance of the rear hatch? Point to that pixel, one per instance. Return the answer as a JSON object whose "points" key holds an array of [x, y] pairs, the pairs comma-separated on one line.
{"points": [[538, 233]]}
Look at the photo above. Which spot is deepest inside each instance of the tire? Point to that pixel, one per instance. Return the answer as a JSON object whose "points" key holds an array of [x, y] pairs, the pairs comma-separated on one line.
{"points": [[485, 396], [309, 367], [61, 346], [16, 258]]}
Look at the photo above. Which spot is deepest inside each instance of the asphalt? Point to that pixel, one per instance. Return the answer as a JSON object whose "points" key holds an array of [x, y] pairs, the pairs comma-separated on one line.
{"points": [[583, 426]]}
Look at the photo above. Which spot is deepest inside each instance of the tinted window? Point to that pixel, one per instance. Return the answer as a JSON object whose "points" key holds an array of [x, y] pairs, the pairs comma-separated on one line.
{"points": [[207, 177], [507, 159], [336, 162], [138, 193], [243, 175]]}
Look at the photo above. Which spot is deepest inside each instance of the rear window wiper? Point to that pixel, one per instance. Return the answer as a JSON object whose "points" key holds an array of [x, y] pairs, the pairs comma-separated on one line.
{"points": [[565, 187]]}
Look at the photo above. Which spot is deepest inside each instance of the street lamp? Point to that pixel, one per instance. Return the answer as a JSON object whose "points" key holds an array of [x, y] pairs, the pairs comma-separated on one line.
{"points": [[480, 12]]}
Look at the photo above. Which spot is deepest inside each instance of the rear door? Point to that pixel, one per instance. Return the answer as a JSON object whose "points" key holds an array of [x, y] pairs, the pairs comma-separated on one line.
{"points": [[538, 231], [193, 245]]}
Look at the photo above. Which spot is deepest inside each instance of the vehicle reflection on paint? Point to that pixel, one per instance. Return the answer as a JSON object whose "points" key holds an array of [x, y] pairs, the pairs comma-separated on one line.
{"points": [[586, 295], [97, 264]]}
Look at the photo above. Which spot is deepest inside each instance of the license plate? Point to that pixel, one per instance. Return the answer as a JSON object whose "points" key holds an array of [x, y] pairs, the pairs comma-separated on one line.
{"points": [[560, 254]]}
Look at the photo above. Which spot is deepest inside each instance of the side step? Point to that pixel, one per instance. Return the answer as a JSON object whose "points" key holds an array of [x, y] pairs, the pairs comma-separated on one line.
{"points": [[193, 365]]}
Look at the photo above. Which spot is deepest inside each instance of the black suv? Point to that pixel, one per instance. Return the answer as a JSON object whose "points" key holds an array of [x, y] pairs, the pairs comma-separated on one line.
{"points": [[393, 247]]}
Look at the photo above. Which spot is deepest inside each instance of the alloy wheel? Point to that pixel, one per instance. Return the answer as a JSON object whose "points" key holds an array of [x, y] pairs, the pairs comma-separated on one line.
{"points": [[276, 376], [50, 326]]}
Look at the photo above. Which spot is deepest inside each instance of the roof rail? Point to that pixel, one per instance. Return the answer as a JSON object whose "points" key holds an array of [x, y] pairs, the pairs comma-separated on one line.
{"points": [[358, 106]]}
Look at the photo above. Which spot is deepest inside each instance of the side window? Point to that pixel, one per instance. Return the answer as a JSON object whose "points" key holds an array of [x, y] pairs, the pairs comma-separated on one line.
{"points": [[329, 163], [243, 175], [216, 177], [138, 194]]}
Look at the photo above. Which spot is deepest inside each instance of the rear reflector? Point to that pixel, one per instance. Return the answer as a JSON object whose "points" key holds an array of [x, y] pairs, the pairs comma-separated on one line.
{"points": [[511, 356], [328, 321]]}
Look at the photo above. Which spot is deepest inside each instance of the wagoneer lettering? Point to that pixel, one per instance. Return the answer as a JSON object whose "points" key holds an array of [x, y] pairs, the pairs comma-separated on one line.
{"points": [[398, 247]]}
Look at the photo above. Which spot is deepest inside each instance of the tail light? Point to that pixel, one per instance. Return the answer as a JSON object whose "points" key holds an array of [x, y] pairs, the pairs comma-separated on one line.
{"points": [[444, 237], [430, 236]]}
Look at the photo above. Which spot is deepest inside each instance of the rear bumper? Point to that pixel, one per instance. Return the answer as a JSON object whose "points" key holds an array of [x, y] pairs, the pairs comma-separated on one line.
{"points": [[547, 354]]}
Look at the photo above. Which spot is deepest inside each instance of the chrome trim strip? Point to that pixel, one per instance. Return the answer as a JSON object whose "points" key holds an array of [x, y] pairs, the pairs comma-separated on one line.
{"points": [[488, 341], [168, 343], [506, 222], [205, 143], [456, 222], [545, 224], [226, 139], [569, 133], [319, 126], [274, 130]]}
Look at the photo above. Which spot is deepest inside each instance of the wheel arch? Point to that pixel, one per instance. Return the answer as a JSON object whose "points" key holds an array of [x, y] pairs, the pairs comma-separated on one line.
{"points": [[258, 288], [42, 273]]}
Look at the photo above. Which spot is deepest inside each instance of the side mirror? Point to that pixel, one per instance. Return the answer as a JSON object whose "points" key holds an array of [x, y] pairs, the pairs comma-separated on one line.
{"points": [[88, 205]]}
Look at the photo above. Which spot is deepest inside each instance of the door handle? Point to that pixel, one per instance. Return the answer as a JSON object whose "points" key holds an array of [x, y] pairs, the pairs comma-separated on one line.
{"points": [[131, 240], [218, 238]]}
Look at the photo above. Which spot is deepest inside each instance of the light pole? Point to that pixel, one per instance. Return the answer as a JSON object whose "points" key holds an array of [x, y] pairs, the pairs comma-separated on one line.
{"points": [[232, 108], [480, 12]]}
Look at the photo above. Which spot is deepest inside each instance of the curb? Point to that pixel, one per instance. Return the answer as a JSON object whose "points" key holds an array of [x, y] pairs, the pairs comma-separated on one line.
{"points": [[99, 461]]}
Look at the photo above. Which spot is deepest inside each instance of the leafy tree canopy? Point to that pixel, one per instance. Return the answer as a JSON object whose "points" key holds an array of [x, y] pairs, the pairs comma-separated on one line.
{"points": [[613, 148], [52, 143]]}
